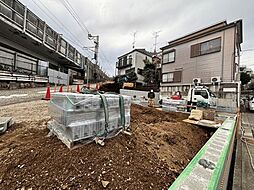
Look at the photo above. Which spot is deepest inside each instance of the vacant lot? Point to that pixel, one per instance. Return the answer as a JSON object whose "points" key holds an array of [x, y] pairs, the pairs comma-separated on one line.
{"points": [[151, 158]]}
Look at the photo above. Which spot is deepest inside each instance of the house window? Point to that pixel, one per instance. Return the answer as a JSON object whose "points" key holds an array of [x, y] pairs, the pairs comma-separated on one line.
{"points": [[120, 63], [130, 59], [169, 57], [172, 76], [167, 77], [207, 47], [124, 60], [210, 46], [177, 76]]}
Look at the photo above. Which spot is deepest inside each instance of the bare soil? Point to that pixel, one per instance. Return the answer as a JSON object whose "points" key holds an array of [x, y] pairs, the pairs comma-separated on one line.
{"points": [[160, 146]]}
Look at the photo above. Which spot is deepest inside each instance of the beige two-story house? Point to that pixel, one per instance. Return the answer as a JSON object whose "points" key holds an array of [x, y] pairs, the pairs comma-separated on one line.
{"points": [[206, 56]]}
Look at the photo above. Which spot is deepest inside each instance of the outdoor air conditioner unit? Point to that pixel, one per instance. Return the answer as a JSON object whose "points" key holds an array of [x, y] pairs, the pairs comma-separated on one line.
{"points": [[215, 80], [196, 80]]}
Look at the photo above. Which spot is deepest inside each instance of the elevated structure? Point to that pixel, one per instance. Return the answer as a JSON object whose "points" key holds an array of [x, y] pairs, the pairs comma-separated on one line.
{"points": [[31, 51]]}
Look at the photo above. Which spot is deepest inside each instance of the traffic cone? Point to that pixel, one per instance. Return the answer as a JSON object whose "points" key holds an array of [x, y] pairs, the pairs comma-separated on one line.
{"points": [[47, 95], [78, 89], [61, 89]]}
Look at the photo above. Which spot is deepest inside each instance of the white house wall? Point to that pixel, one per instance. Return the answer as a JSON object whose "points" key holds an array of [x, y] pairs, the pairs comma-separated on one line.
{"points": [[137, 63]]}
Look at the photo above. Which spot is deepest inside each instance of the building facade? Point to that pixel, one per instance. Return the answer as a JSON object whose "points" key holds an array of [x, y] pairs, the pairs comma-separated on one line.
{"points": [[133, 62], [207, 56]]}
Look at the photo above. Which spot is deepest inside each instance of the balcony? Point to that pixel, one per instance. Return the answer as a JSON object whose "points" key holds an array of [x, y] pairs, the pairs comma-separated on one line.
{"points": [[118, 66]]}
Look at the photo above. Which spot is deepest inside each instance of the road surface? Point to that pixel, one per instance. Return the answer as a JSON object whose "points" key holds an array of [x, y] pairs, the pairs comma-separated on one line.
{"points": [[244, 173], [25, 95]]}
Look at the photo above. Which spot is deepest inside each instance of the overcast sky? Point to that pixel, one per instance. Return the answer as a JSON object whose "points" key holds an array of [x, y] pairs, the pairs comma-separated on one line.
{"points": [[115, 21]]}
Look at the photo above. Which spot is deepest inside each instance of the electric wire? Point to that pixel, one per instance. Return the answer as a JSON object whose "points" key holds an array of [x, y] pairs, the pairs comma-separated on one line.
{"points": [[74, 14], [77, 16], [85, 27], [72, 38], [55, 20], [70, 11]]}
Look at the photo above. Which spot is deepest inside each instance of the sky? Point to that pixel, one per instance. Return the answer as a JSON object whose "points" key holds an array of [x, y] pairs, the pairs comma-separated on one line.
{"points": [[115, 21]]}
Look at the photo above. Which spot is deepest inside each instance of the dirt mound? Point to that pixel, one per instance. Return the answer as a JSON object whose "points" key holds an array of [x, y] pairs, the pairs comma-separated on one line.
{"points": [[151, 158]]}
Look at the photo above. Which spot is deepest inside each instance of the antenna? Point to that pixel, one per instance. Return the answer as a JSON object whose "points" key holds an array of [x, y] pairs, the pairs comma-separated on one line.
{"points": [[134, 39], [156, 35]]}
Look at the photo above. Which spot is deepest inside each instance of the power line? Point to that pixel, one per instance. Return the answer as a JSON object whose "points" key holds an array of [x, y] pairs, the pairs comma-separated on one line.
{"points": [[77, 16], [61, 25], [72, 38], [73, 14]]}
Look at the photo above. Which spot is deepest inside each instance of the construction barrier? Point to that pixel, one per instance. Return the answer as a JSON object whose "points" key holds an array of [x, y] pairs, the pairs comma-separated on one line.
{"points": [[207, 169]]}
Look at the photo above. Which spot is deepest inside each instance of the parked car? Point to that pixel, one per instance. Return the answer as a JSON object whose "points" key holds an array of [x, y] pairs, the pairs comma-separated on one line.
{"points": [[251, 103]]}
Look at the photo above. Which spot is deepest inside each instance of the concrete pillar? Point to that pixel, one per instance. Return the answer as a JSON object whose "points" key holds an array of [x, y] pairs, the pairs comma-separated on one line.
{"points": [[57, 42], [25, 17], [15, 60], [67, 49], [44, 33], [37, 66], [75, 57]]}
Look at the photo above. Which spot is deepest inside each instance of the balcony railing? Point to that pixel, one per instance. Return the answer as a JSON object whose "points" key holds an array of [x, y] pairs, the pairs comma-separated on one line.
{"points": [[119, 66]]}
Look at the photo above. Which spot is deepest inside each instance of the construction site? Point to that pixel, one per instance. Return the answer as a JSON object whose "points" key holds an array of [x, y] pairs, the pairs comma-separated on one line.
{"points": [[148, 151], [149, 158], [83, 111]]}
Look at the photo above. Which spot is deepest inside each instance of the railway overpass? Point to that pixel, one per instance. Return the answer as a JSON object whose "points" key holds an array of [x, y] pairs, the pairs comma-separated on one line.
{"points": [[32, 53]]}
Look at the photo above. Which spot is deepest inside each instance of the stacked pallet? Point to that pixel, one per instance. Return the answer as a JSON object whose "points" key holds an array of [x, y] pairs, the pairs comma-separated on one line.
{"points": [[79, 117], [174, 105]]}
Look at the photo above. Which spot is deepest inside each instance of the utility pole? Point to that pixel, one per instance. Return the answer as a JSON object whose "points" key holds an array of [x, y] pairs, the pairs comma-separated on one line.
{"points": [[155, 35], [96, 52], [134, 39], [96, 48]]}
